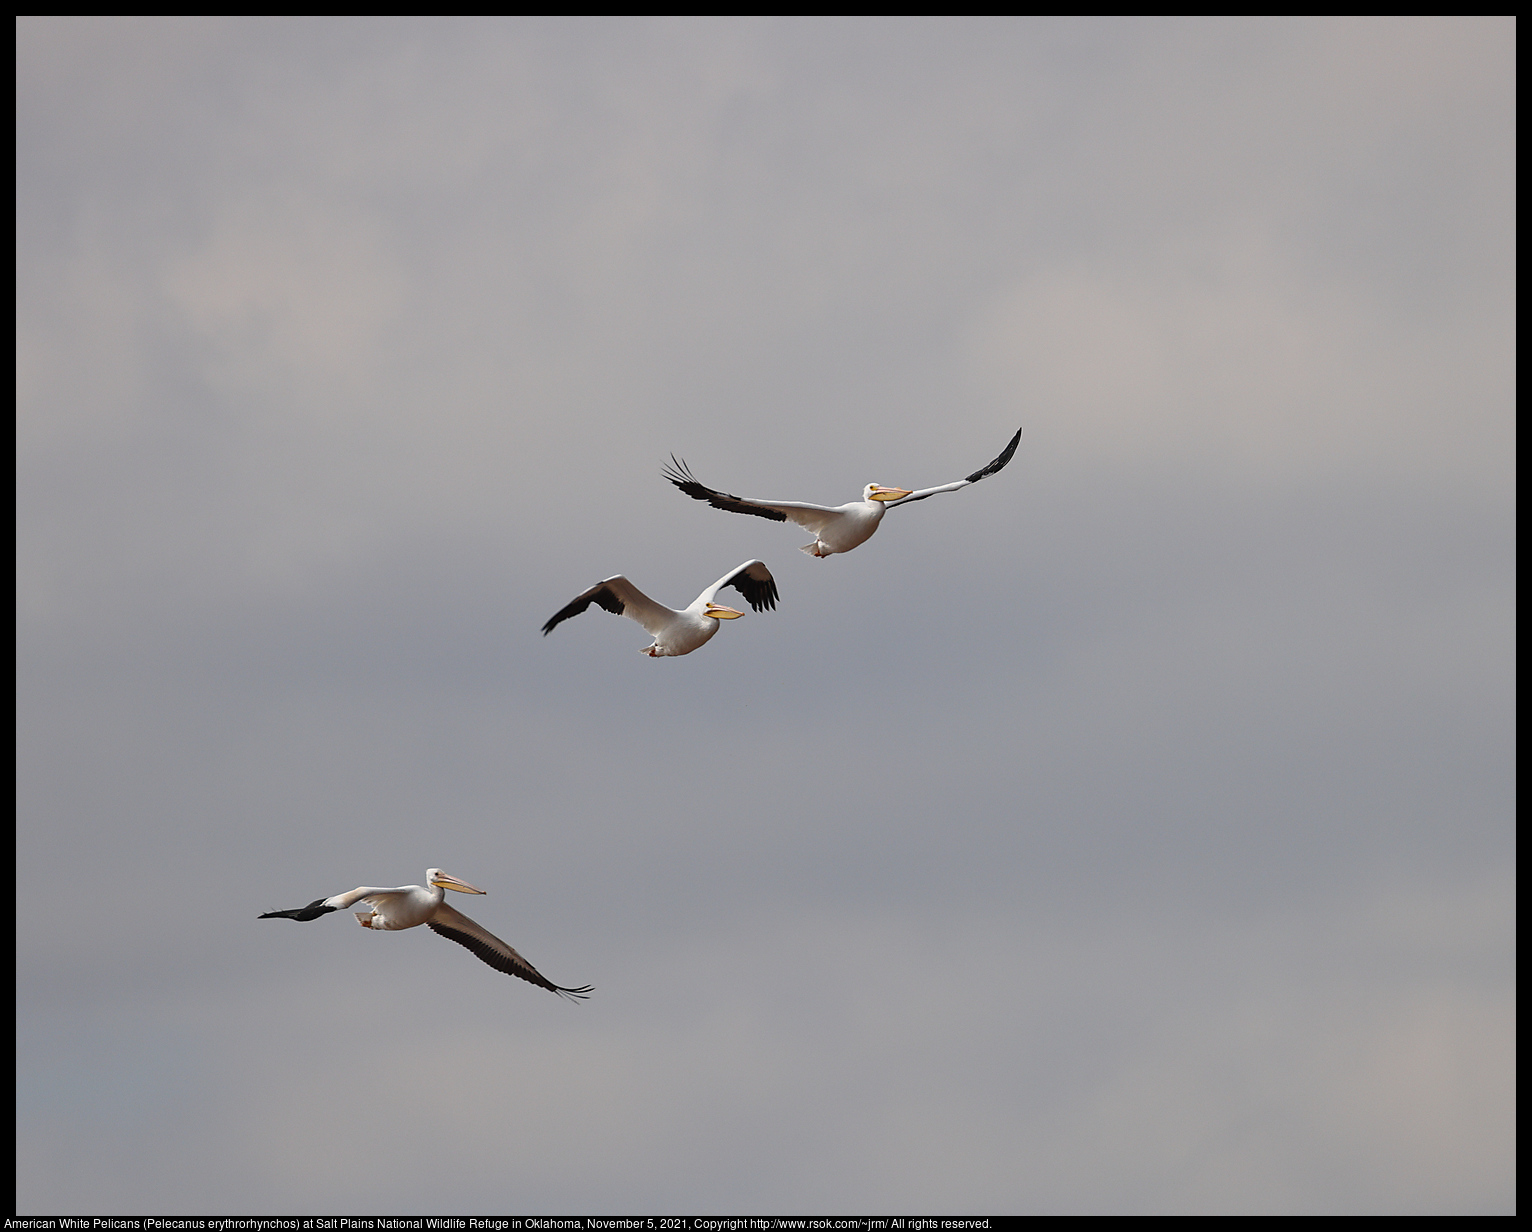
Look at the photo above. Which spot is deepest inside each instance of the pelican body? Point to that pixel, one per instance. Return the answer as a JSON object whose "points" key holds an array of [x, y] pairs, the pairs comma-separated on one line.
{"points": [[675, 632], [394, 907], [836, 529]]}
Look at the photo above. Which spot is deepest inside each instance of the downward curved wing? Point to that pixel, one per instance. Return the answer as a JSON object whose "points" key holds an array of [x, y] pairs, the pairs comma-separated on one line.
{"points": [[753, 580], [456, 926], [620, 597], [983, 472], [810, 517]]}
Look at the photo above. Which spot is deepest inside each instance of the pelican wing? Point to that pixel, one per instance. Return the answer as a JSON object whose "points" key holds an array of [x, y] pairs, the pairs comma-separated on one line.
{"points": [[458, 927], [336, 902], [983, 472], [753, 580], [810, 517], [620, 597]]}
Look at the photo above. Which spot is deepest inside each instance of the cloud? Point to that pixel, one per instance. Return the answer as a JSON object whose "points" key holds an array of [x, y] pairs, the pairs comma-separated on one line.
{"points": [[1123, 833]]}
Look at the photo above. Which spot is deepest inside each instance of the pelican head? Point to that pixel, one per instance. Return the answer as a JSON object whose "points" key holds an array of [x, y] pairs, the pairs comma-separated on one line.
{"points": [[719, 612], [877, 492], [448, 882]]}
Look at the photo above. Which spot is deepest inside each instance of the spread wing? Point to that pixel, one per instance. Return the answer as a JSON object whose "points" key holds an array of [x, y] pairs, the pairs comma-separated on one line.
{"points": [[810, 517], [456, 926], [620, 597], [336, 902], [983, 472]]}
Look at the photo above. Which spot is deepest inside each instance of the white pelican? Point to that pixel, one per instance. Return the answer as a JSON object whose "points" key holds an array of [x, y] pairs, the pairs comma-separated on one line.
{"points": [[675, 633], [394, 907], [839, 529]]}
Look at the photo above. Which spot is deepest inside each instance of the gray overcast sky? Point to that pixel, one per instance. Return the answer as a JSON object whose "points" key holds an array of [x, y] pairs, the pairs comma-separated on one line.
{"points": [[1128, 833]]}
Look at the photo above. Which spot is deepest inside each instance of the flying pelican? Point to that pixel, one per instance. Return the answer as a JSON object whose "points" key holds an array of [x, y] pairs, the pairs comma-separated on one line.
{"points": [[395, 907], [675, 633], [839, 529]]}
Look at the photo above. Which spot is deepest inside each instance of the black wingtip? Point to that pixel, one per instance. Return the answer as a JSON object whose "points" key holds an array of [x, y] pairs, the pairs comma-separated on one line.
{"points": [[680, 474], [1006, 455], [602, 597], [760, 593], [313, 911]]}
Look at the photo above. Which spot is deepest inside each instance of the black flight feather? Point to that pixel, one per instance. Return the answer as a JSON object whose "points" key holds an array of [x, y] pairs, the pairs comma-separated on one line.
{"points": [[760, 593], [604, 596], [513, 964], [312, 912], [679, 474], [999, 463]]}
